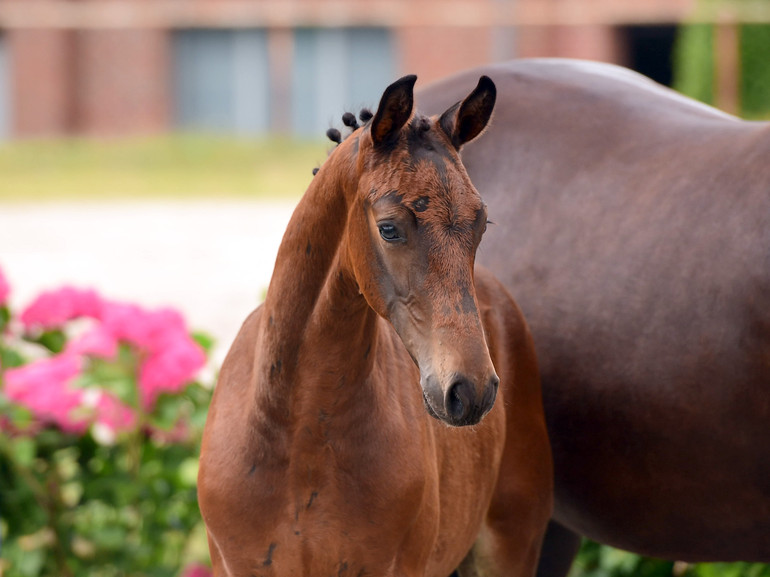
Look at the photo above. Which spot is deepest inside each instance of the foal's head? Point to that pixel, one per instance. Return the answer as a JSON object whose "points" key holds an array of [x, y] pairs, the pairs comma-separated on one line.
{"points": [[414, 228]]}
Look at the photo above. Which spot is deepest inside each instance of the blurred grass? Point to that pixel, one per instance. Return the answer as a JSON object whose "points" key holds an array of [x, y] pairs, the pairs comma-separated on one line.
{"points": [[177, 166]]}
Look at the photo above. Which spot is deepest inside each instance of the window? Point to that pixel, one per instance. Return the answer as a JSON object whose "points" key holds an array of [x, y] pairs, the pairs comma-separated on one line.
{"points": [[338, 70], [221, 80]]}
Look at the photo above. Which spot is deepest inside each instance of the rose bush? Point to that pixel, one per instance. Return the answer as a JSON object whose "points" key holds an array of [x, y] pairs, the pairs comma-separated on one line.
{"points": [[101, 412]]}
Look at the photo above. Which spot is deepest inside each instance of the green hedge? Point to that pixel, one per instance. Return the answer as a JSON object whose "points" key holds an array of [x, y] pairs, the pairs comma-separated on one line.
{"points": [[694, 66], [595, 560], [755, 77]]}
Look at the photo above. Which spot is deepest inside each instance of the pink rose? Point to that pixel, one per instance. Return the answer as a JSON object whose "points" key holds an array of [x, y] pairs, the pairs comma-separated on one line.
{"points": [[5, 289], [170, 358], [114, 414], [44, 388], [148, 330], [169, 368], [196, 570], [96, 342], [51, 309]]}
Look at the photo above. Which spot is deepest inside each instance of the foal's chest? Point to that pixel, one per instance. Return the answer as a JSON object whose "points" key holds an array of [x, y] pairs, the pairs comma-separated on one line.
{"points": [[342, 523]]}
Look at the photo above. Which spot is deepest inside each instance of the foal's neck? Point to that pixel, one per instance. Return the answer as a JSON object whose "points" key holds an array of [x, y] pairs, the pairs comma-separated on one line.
{"points": [[313, 313]]}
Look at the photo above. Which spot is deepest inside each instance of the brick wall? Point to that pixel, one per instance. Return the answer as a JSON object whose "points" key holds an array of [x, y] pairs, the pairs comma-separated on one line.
{"points": [[434, 53], [112, 82], [123, 82], [587, 42], [118, 81], [42, 79]]}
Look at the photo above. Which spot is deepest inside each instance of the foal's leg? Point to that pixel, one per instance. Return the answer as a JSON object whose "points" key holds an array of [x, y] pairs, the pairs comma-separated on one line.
{"points": [[509, 542], [492, 556], [510, 539], [558, 551]]}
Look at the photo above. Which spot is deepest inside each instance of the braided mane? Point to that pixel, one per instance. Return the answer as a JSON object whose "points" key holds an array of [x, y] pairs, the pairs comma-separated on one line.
{"points": [[349, 120]]}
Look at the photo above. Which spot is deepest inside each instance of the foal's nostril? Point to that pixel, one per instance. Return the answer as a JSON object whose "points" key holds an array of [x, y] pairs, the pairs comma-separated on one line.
{"points": [[463, 407], [490, 394], [459, 400]]}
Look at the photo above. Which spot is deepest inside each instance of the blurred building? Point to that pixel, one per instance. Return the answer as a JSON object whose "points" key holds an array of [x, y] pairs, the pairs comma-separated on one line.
{"points": [[117, 67]]}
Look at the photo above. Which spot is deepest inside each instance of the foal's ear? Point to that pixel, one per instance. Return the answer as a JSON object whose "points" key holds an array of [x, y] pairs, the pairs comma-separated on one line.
{"points": [[467, 119], [394, 111]]}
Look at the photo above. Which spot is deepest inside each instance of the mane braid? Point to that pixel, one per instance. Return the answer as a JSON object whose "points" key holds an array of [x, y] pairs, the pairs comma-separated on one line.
{"points": [[349, 120], [365, 115], [334, 135]]}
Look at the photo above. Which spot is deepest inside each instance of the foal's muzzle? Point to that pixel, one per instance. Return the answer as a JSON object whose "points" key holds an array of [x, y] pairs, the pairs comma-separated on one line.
{"points": [[462, 403]]}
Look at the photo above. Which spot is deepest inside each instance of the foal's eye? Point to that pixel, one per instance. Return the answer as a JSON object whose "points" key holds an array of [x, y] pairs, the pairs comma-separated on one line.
{"points": [[389, 232]]}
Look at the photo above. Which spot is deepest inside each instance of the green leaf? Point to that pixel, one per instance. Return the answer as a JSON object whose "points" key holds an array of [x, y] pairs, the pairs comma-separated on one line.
{"points": [[53, 340], [23, 562], [110, 537], [116, 376], [5, 316], [24, 451], [617, 561], [10, 358], [168, 410], [20, 417], [205, 340], [188, 472]]}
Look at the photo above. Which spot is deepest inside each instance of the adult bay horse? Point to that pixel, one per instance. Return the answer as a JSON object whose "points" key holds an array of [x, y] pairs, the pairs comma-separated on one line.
{"points": [[633, 226], [320, 455]]}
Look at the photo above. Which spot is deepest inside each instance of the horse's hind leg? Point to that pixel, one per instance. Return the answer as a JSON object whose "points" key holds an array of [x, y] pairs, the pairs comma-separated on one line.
{"points": [[560, 546]]}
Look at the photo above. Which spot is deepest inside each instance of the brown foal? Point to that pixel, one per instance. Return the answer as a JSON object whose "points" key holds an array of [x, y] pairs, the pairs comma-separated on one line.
{"points": [[320, 455]]}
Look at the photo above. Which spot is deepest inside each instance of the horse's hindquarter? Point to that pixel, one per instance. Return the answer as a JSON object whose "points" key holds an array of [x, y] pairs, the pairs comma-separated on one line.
{"points": [[634, 231]]}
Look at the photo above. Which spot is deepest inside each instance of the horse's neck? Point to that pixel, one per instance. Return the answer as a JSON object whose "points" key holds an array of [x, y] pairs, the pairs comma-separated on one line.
{"points": [[314, 319]]}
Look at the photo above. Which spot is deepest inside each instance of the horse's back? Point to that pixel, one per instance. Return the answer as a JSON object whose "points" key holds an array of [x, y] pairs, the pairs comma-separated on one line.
{"points": [[633, 228]]}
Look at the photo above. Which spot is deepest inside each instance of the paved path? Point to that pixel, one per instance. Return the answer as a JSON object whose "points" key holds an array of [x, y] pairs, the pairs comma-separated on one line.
{"points": [[211, 259]]}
